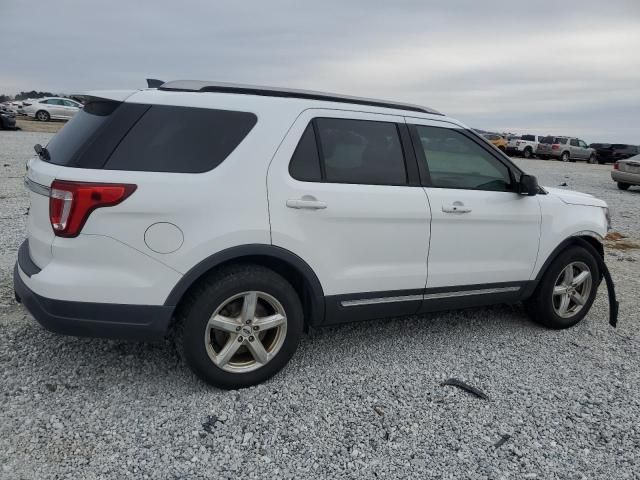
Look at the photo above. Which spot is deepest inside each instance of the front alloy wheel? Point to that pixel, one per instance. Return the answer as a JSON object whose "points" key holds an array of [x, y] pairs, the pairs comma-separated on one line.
{"points": [[572, 289], [567, 289]]}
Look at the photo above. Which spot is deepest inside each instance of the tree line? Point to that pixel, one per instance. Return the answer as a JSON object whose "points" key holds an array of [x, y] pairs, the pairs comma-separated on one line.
{"points": [[25, 95]]}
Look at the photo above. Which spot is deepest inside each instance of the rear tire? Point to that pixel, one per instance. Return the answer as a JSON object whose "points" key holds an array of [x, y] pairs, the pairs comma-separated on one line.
{"points": [[593, 159], [565, 157], [43, 116], [547, 304], [528, 153], [623, 186], [257, 354]]}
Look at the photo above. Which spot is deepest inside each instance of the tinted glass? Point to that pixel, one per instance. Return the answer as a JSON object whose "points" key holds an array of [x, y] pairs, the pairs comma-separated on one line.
{"points": [[360, 151], [573, 142], [530, 138], [305, 162], [548, 140], [79, 131], [55, 101], [456, 161], [181, 139]]}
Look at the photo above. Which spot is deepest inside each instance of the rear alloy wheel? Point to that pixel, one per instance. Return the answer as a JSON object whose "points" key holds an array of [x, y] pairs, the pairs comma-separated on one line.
{"points": [[43, 116], [566, 291], [527, 153], [565, 157], [623, 186], [239, 326], [593, 159]]}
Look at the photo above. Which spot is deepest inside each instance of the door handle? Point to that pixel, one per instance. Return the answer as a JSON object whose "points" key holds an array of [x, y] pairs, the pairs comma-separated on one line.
{"points": [[309, 203], [455, 207]]}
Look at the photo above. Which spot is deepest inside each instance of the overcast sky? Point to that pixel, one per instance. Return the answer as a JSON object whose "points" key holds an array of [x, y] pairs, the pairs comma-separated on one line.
{"points": [[569, 67]]}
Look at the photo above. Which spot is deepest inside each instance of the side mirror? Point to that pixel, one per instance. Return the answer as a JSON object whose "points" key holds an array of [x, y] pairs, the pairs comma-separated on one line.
{"points": [[528, 185]]}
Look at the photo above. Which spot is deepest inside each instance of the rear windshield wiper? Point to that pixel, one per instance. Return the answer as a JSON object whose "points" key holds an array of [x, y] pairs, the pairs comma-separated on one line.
{"points": [[42, 152]]}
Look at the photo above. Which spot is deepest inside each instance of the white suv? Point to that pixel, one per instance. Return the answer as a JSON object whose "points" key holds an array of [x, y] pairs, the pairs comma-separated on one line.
{"points": [[239, 216]]}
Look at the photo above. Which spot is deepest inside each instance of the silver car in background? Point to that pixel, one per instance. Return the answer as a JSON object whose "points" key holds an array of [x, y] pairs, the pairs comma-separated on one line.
{"points": [[567, 149], [51, 108], [626, 172]]}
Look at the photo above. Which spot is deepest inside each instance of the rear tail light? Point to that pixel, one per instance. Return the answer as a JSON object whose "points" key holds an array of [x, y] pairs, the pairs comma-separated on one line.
{"points": [[616, 166], [555, 146], [71, 203]]}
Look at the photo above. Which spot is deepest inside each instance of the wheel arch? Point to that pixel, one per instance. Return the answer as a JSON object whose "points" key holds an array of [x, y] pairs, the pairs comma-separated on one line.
{"points": [[282, 261], [592, 238]]}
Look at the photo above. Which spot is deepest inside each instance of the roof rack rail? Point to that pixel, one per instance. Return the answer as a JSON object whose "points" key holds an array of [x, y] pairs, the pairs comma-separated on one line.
{"points": [[202, 86]]}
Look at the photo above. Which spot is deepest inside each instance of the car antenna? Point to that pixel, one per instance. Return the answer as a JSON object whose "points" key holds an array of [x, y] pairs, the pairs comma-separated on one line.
{"points": [[154, 82]]}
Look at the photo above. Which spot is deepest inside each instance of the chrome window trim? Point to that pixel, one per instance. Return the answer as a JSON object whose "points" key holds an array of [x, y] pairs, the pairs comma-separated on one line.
{"points": [[36, 187], [427, 296]]}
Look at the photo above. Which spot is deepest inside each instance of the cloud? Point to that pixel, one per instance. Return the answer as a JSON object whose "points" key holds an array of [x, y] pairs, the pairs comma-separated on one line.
{"points": [[547, 65]]}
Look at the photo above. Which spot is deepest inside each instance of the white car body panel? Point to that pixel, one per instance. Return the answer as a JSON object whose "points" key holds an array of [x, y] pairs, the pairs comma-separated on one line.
{"points": [[368, 238]]}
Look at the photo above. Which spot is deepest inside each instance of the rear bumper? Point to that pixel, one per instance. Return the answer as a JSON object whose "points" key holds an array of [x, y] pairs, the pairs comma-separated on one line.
{"points": [[88, 319], [625, 177]]}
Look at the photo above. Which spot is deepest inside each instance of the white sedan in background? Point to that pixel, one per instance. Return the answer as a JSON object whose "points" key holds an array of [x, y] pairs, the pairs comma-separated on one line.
{"points": [[51, 108]]}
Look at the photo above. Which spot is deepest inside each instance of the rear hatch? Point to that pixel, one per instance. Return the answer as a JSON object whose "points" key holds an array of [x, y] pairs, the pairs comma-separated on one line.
{"points": [[86, 142], [545, 145]]}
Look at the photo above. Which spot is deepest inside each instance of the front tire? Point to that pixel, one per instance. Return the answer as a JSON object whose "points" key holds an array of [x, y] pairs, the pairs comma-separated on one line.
{"points": [[593, 159], [43, 116], [239, 326], [623, 186], [567, 290]]}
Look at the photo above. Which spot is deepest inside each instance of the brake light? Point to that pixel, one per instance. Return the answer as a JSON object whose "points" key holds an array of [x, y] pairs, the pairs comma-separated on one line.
{"points": [[71, 203], [616, 166], [555, 146]]}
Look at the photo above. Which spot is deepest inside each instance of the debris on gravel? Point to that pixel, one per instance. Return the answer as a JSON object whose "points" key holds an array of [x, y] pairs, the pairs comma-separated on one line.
{"points": [[356, 401]]}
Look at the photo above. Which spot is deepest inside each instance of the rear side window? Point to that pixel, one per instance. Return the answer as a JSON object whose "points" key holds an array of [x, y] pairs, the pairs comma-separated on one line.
{"points": [[361, 152], [305, 163], [562, 141], [529, 138], [573, 142], [181, 140]]}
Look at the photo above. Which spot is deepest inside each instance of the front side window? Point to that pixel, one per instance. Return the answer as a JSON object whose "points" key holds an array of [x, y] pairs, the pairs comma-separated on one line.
{"points": [[456, 161], [361, 152], [582, 144]]}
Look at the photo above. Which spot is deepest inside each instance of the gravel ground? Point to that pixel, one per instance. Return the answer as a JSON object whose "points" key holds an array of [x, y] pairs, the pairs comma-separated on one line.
{"points": [[357, 401]]}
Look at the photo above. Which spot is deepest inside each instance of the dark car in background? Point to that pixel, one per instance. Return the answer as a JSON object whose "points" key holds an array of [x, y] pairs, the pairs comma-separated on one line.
{"points": [[7, 119], [612, 152]]}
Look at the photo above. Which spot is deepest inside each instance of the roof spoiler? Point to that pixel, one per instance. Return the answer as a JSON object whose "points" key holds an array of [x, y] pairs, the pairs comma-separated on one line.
{"points": [[154, 82]]}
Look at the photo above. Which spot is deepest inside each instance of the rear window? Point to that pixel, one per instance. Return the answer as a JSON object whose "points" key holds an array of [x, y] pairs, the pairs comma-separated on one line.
{"points": [[548, 140], [130, 136], [87, 140], [181, 140]]}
